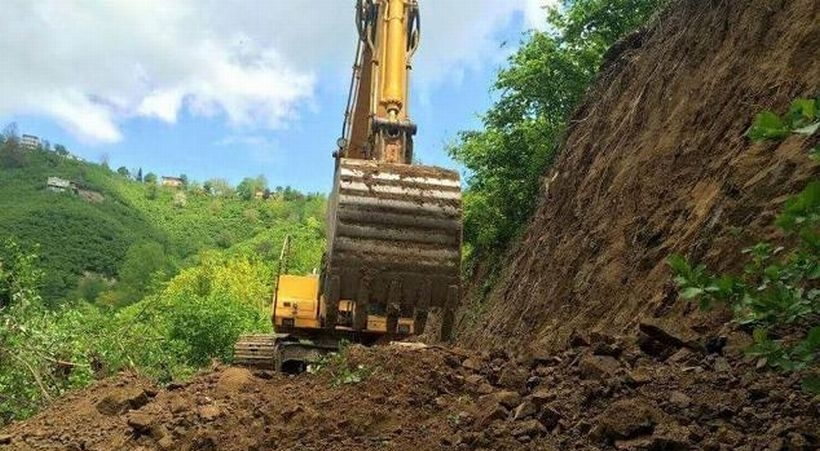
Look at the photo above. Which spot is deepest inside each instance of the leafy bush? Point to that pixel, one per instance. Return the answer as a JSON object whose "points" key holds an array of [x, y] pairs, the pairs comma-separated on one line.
{"points": [[778, 287], [802, 118]]}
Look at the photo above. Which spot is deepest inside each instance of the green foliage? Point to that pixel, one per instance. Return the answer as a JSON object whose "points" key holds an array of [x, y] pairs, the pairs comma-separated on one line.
{"points": [[802, 118], [248, 187], [777, 288], [341, 370], [545, 81]]}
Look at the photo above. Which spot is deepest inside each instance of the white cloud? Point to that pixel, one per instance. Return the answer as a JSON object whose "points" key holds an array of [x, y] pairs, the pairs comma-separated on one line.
{"points": [[92, 65]]}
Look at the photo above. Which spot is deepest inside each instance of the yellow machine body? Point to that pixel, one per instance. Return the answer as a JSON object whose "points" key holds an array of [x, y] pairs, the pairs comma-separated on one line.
{"points": [[298, 305]]}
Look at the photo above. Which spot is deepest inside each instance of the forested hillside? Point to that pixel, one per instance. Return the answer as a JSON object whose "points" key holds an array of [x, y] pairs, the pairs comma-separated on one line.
{"points": [[104, 270], [111, 227]]}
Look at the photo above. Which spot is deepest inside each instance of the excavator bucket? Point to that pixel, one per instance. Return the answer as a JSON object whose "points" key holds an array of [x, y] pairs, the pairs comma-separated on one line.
{"points": [[394, 242]]}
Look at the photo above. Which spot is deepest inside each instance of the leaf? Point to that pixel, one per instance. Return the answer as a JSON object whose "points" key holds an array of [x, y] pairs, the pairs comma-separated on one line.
{"points": [[811, 384], [813, 337], [808, 130], [802, 110], [678, 264], [767, 125], [691, 292]]}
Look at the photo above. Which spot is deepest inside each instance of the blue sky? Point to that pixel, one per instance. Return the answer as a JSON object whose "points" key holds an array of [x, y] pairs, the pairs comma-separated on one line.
{"points": [[228, 93]]}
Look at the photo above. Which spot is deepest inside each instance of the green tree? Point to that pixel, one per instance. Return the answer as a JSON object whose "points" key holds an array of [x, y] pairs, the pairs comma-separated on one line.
{"points": [[123, 171], [545, 81], [248, 187], [60, 150], [143, 263], [150, 178], [139, 175]]}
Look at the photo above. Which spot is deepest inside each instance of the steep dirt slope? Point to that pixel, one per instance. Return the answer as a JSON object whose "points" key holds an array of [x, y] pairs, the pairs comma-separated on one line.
{"points": [[655, 162]]}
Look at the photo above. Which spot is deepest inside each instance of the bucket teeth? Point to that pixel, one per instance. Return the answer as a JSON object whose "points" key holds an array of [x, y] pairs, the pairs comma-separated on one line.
{"points": [[397, 227]]}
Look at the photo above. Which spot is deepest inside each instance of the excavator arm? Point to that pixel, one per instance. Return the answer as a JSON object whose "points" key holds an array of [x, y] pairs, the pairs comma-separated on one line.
{"points": [[394, 228]]}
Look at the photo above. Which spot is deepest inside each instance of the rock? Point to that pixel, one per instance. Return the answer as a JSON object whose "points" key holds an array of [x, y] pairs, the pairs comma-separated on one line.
{"points": [[234, 380], [549, 417], [209, 412], [474, 379], [513, 378], [681, 356], [484, 388], [736, 344], [671, 437], [472, 364], [529, 428], [671, 333], [542, 396], [490, 414], [609, 349], [625, 419], [140, 422], [640, 443], [715, 344], [679, 400], [577, 339], [508, 399], [524, 410], [598, 366], [639, 376], [121, 400], [165, 443], [722, 365], [5, 439]]}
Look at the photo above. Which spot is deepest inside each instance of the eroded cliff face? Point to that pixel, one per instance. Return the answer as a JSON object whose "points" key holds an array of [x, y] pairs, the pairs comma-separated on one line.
{"points": [[655, 162]]}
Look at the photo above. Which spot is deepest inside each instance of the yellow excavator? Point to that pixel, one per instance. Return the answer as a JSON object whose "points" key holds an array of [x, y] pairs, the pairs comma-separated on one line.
{"points": [[393, 227]]}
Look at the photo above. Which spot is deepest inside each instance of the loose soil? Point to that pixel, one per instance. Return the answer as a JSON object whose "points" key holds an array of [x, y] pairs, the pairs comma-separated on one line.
{"points": [[672, 390]]}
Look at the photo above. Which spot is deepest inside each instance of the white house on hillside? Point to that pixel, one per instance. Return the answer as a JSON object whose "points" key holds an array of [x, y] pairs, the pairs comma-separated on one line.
{"points": [[30, 141]]}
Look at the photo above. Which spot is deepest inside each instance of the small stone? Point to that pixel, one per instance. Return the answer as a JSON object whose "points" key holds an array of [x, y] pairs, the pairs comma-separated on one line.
{"points": [[671, 333], [722, 365], [165, 443], [471, 364], [513, 378], [680, 400], [543, 396], [626, 419], [121, 400], [598, 366], [683, 355], [524, 410], [531, 428], [140, 422], [640, 375], [549, 417], [491, 414], [508, 399], [209, 412], [578, 340], [5, 439]]}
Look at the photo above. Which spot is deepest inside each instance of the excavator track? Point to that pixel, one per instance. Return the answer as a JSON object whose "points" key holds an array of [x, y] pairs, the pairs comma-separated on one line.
{"points": [[279, 352], [394, 239]]}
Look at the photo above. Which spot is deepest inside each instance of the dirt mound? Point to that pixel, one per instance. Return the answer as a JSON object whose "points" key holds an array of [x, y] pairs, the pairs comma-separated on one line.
{"points": [[656, 163], [603, 393]]}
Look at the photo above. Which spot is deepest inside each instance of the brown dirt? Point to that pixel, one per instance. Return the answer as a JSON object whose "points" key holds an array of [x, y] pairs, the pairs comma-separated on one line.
{"points": [[656, 163], [603, 393]]}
